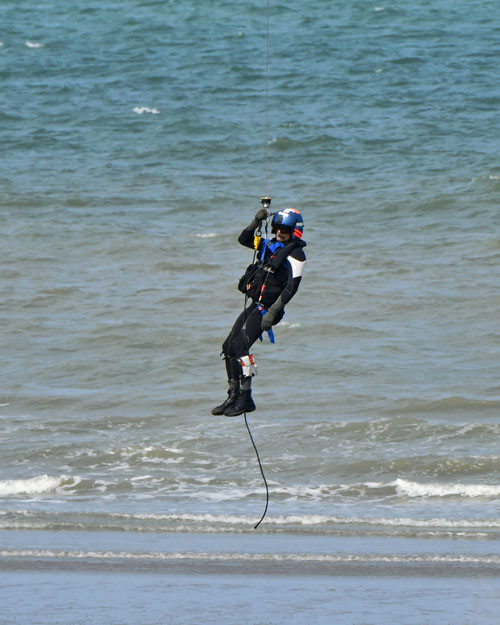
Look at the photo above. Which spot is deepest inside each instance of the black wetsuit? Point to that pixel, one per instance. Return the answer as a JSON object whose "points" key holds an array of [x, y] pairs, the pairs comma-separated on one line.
{"points": [[270, 289]]}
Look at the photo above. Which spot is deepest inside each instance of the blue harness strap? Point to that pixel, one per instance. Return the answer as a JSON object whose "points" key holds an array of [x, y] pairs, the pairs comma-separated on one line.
{"points": [[263, 251], [272, 247], [270, 332]]}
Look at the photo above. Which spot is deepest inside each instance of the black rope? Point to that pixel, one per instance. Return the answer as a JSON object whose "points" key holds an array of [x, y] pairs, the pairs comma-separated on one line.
{"points": [[267, 101], [261, 471], [245, 414], [255, 252]]}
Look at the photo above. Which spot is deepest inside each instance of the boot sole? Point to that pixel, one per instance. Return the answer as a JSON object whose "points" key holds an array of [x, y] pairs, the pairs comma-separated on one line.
{"points": [[237, 414], [219, 410]]}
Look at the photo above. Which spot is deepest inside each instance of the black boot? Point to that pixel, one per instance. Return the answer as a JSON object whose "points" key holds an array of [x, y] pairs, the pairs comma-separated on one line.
{"points": [[232, 397], [243, 404]]}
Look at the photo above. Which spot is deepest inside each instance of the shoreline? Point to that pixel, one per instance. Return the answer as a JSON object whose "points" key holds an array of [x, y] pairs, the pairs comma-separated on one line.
{"points": [[234, 566]]}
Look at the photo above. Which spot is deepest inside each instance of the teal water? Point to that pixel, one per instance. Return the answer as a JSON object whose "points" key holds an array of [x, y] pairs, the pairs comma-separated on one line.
{"points": [[134, 151]]}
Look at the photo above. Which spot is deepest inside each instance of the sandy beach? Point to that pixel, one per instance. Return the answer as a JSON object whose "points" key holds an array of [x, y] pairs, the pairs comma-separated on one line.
{"points": [[201, 579]]}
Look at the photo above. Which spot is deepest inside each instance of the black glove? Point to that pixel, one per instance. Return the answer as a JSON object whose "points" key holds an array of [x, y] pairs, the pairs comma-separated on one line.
{"points": [[267, 321], [261, 214]]}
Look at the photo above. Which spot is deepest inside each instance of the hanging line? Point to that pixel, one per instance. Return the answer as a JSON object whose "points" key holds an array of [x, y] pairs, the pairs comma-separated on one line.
{"points": [[267, 103], [261, 472], [266, 204], [245, 415]]}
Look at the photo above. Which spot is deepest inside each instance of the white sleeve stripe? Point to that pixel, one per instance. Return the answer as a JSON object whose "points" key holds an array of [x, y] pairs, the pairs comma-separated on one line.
{"points": [[297, 266]]}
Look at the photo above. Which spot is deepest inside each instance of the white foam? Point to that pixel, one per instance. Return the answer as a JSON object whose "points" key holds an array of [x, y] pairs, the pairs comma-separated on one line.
{"points": [[31, 486], [251, 557], [213, 523], [140, 110], [289, 324], [416, 489], [205, 235], [33, 44], [319, 519]]}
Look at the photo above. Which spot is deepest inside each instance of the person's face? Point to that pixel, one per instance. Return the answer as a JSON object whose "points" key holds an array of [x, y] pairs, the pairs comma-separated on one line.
{"points": [[283, 234]]}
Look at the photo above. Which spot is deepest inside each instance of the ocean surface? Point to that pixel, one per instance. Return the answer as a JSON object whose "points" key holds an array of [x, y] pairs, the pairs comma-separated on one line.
{"points": [[137, 138]]}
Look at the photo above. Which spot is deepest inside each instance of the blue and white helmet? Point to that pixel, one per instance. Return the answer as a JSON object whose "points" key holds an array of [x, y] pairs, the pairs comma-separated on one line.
{"points": [[291, 218]]}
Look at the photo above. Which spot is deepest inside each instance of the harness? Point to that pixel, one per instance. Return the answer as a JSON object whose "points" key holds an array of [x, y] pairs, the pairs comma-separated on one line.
{"points": [[278, 255], [273, 248]]}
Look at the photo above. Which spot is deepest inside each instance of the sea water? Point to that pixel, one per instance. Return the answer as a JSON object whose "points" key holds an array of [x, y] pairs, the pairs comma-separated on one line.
{"points": [[138, 137]]}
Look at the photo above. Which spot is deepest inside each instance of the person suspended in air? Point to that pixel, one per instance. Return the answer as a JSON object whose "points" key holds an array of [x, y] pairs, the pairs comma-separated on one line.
{"points": [[269, 283]]}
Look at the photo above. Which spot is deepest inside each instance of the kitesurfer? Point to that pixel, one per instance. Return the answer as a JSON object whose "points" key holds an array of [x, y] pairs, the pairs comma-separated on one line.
{"points": [[270, 283]]}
